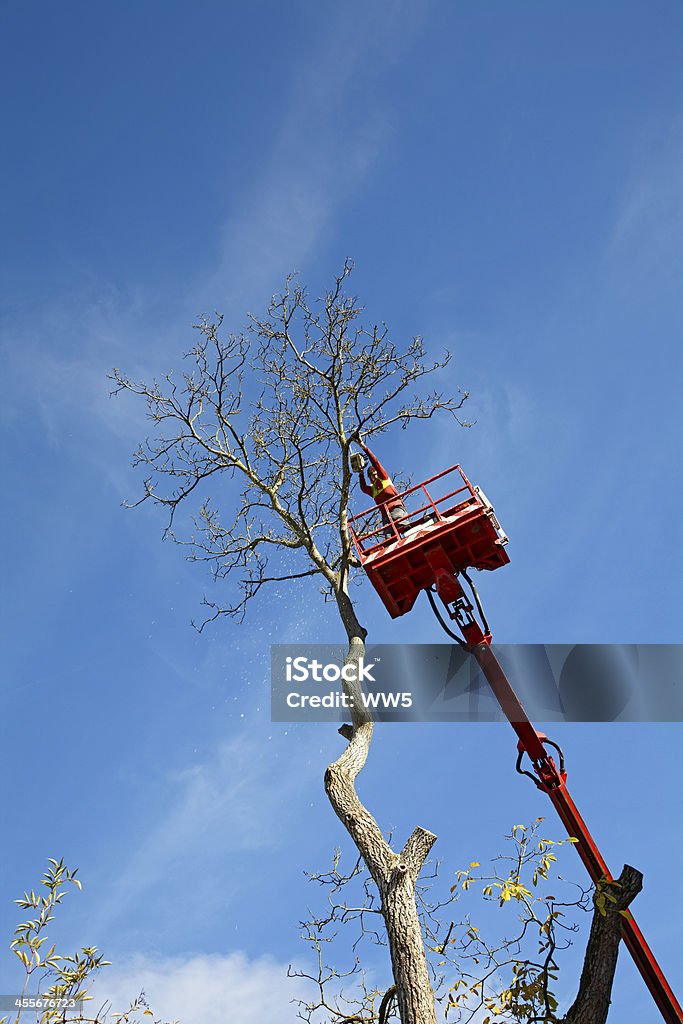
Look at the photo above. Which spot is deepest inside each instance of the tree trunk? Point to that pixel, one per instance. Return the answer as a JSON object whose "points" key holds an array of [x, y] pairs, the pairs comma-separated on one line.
{"points": [[406, 944], [595, 988], [394, 874]]}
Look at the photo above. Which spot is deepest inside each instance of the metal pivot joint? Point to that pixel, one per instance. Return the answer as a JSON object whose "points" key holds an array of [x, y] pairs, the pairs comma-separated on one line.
{"points": [[460, 609], [548, 775]]}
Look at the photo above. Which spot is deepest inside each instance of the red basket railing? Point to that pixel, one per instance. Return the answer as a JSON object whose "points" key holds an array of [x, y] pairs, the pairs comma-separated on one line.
{"points": [[388, 531]]}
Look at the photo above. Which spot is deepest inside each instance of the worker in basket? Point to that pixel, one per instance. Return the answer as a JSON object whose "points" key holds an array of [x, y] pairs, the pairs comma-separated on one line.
{"points": [[382, 490]]}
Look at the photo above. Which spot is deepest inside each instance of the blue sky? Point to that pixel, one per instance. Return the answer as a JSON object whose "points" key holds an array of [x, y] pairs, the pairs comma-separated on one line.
{"points": [[508, 180]]}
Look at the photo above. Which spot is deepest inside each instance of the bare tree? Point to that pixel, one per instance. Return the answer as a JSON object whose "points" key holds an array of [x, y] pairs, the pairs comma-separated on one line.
{"points": [[276, 410], [508, 976]]}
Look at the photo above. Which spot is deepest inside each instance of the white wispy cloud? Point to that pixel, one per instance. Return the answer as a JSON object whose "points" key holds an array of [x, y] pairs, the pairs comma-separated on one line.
{"points": [[320, 155], [333, 131], [58, 366], [642, 254], [241, 799], [204, 989]]}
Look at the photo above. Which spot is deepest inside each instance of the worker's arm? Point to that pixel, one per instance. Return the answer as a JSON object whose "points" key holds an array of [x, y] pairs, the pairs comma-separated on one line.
{"points": [[375, 462], [365, 487]]}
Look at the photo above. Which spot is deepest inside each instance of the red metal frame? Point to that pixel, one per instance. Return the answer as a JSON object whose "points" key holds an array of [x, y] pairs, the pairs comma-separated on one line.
{"points": [[456, 530], [408, 559]]}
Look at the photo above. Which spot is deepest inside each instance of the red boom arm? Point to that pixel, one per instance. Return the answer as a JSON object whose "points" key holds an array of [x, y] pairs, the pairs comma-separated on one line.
{"points": [[553, 781]]}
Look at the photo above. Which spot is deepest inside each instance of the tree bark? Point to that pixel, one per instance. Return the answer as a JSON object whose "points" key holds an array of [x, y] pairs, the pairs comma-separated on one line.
{"points": [[406, 944], [394, 874], [593, 1000]]}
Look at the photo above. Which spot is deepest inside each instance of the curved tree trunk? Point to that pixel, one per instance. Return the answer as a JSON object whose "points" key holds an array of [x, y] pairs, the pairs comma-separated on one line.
{"points": [[394, 874]]}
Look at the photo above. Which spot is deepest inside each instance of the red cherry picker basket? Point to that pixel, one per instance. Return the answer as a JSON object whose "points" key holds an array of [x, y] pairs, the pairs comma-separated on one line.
{"points": [[431, 548]]}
